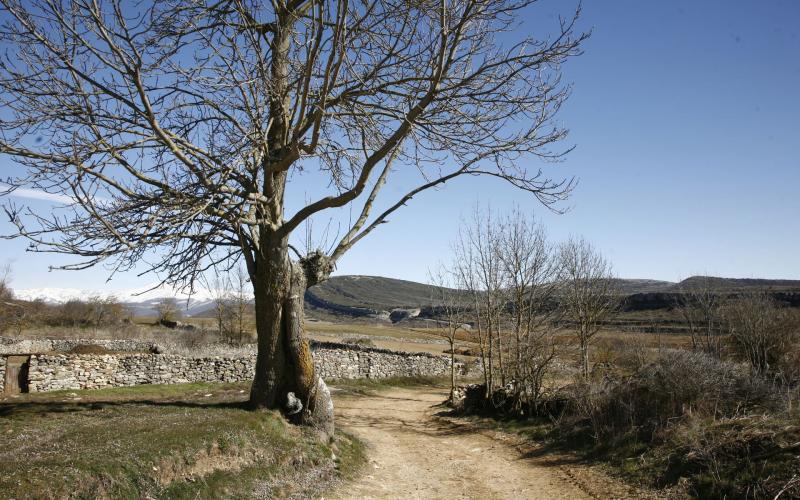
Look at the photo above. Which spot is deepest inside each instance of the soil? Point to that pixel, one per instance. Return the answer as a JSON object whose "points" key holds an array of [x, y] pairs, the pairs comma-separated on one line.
{"points": [[414, 453]]}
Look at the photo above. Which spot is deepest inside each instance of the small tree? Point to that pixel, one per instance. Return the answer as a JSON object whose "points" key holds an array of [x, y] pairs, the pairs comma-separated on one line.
{"points": [[479, 271], [449, 304], [531, 270], [240, 304], [104, 311], [221, 290], [6, 294], [589, 292], [12, 314], [168, 310], [73, 312], [232, 304], [762, 332], [701, 306]]}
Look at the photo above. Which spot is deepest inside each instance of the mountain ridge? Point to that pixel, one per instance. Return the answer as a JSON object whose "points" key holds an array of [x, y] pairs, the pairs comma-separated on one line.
{"points": [[363, 295]]}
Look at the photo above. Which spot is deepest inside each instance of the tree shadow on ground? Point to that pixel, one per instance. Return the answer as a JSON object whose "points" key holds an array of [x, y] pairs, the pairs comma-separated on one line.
{"points": [[547, 453], [41, 408]]}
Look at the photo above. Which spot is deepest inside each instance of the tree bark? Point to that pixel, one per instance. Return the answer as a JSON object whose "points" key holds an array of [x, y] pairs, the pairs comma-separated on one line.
{"points": [[285, 374], [452, 366], [585, 358]]}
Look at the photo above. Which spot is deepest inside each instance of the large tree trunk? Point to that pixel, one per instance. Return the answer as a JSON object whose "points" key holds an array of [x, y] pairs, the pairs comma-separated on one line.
{"points": [[285, 377]]}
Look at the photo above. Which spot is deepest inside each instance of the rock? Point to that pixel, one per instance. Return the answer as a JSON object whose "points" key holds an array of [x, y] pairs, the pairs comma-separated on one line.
{"points": [[400, 314]]}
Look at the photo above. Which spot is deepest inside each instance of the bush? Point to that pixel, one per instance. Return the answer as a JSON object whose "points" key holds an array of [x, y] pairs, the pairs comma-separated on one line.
{"points": [[688, 415], [362, 341], [677, 385], [762, 332], [168, 310]]}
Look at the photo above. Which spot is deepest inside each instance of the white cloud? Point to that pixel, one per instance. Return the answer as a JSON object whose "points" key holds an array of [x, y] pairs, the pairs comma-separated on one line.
{"points": [[37, 194]]}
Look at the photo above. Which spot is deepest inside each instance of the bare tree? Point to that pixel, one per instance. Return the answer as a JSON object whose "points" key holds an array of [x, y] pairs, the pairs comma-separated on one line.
{"points": [[231, 295], [701, 306], [761, 331], [466, 277], [449, 303], [168, 310], [240, 304], [589, 293], [531, 269], [174, 128], [11, 313], [6, 294], [221, 295], [104, 311], [480, 272]]}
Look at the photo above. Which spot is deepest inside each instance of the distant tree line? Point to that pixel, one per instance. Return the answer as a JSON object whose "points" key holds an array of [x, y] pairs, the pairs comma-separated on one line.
{"points": [[94, 312]]}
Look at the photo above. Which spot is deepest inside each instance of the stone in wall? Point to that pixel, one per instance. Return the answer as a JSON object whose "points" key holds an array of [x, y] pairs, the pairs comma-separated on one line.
{"points": [[2, 374]]}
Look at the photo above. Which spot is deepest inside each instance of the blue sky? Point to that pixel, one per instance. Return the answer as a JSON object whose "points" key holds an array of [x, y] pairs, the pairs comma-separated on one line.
{"points": [[685, 117]]}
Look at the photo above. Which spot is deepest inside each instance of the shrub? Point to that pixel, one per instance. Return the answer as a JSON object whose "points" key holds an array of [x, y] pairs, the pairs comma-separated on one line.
{"points": [[168, 310], [677, 385], [762, 332], [362, 341]]}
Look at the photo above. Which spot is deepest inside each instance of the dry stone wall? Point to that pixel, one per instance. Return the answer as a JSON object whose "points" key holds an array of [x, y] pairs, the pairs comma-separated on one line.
{"points": [[32, 346], [52, 372], [90, 371]]}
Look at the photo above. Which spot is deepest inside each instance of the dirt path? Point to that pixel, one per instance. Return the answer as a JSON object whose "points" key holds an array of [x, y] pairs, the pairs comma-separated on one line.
{"points": [[413, 454]]}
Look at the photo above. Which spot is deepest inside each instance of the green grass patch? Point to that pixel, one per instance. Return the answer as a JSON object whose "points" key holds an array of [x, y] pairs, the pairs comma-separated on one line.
{"points": [[160, 441]]}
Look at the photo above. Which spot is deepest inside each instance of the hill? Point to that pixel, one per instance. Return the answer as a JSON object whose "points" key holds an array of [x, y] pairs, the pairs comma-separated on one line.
{"points": [[735, 284], [632, 286], [373, 292], [376, 296]]}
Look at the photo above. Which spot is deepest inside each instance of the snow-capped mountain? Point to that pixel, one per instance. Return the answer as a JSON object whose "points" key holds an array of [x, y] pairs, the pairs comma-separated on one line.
{"points": [[142, 301]]}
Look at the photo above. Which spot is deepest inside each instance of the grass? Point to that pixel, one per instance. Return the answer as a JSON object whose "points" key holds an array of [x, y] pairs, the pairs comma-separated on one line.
{"points": [[371, 385], [377, 329], [172, 441]]}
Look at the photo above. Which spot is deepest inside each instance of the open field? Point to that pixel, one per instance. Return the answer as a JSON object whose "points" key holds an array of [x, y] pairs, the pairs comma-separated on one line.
{"points": [[179, 441]]}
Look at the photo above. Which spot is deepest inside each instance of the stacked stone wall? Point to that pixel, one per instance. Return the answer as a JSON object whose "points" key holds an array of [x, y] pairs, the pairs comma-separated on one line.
{"points": [[41, 346], [52, 372], [90, 371]]}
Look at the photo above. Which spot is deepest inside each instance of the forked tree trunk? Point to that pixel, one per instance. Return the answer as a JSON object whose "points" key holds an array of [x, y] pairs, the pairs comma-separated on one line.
{"points": [[285, 373]]}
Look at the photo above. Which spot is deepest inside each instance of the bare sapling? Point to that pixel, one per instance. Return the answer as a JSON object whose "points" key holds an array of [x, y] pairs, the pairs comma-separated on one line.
{"points": [[480, 271], [450, 308], [168, 310], [762, 332], [588, 293], [531, 268], [701, 306]]}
